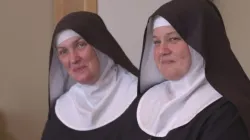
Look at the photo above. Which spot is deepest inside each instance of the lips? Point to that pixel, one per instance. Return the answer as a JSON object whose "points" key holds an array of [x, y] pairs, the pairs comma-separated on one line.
{"points": [[167, 61], [79, 69]]}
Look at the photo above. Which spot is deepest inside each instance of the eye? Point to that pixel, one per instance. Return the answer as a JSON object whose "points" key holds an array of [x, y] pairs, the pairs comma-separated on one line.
{"points": [[157, 42], [81, 44], [62, 51], [174, 39]]}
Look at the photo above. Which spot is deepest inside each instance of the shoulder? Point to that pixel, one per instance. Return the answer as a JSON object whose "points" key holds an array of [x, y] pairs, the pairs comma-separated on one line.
{"points": [[219, 121], [59, 107], [53, 128], [224, 122], [65, 102], [222, 111]]}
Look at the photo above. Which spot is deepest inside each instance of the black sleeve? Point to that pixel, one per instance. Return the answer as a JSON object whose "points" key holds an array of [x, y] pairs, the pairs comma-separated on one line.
{"points": [[225, 124], [54, 130]]}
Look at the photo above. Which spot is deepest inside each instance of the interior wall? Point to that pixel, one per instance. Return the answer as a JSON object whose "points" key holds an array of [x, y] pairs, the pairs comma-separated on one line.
{"points": [[25, 33], [237, 21], [127, 20]]}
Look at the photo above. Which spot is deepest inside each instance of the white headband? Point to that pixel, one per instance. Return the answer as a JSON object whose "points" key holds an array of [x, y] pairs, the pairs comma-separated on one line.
{"points": [[64, 35], [160, 21]]}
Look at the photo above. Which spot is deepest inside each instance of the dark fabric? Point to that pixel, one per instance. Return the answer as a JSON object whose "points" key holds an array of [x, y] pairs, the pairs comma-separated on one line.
{"points": [[92, 28], [116, 130], [201, 26], [218, 121]]}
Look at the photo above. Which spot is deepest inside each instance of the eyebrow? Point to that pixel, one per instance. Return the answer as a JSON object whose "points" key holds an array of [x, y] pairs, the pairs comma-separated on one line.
{"points": [[73, 43], [173, 32]]}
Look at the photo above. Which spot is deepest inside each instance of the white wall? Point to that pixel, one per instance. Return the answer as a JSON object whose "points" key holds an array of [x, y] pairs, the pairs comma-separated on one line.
{"points": [[127, 19]]}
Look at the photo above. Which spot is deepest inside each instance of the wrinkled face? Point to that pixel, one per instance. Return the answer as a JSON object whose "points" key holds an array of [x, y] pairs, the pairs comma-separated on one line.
{"points": [[79, 59], [171, 53]]}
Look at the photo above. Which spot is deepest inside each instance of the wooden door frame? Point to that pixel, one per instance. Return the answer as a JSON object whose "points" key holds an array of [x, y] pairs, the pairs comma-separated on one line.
{"points": [[62, 7]]}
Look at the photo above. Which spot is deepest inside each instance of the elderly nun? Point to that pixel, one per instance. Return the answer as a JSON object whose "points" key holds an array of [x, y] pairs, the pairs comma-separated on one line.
{"points": [[92, 81], [191, 85]]}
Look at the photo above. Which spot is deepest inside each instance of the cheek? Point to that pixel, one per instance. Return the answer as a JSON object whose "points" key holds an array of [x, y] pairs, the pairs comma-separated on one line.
{"points": [[185, 58], [184, 63], [157, 55], [86, 55], [92, 59], [96, 65], [188, 62], [64, 62]]}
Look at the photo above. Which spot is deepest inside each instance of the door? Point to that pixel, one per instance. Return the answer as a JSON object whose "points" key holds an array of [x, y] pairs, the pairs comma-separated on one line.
{"points": [[64, 7]]}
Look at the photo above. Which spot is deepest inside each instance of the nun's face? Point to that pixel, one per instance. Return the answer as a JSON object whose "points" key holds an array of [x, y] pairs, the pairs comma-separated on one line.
{"points": [[79, 59], [171, 53]]}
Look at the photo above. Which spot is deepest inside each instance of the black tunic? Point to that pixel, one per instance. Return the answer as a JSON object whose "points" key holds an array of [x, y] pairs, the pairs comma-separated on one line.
{"points": [[116, 130], [219, 121]]}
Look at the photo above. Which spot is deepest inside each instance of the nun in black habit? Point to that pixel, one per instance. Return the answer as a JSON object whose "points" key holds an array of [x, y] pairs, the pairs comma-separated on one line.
{"points": [[92, 81], [192, 86]]}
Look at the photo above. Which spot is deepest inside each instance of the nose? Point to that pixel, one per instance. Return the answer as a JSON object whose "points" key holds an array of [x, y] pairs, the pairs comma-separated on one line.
{"points": [[164, 49], [74, 57]]}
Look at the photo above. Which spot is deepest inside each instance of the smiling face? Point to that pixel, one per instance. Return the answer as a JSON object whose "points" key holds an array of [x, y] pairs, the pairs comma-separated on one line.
{"points": [[171, 53], [79, 59]]}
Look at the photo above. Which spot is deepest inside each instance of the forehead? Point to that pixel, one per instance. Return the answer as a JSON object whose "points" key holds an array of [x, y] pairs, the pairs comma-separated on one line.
{"points": [[70, 41], [163, 30]]}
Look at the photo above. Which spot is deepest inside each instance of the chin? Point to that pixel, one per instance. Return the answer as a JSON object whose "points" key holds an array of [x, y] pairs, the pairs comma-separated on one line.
{"points": [[87, 79], [84, 80], [173, 76]]}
